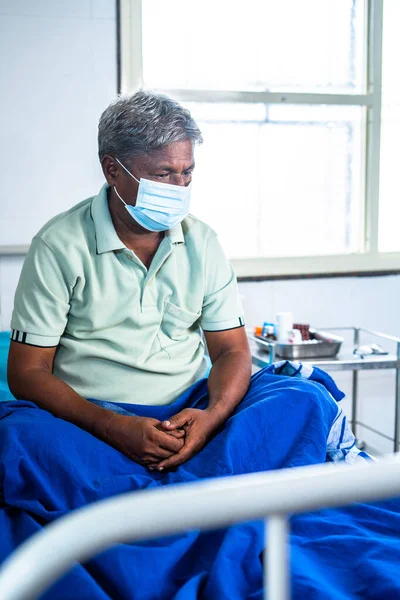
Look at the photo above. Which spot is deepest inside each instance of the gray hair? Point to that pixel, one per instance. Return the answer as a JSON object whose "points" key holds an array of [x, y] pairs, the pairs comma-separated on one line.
{"points": [[137, 124]]}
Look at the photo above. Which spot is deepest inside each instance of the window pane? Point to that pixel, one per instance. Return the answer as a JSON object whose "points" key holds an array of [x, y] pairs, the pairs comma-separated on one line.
{"points": [[286, 181], [291, 45], [389, 205], [225, 191]]}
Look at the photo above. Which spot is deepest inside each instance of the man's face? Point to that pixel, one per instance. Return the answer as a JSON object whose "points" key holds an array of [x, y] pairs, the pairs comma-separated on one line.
{"points": [[171, 164]]}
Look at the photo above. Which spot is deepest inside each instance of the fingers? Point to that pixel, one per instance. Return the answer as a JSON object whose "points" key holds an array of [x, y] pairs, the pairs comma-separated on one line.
{"points": [[154, 462], [177, 421], [158, 454], [152, 459], [178, 458], [176, 433], [166, 441], [174, 461]]}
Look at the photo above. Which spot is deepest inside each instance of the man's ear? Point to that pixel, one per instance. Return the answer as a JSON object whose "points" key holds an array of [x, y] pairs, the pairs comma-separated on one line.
{"points": [[110, 169]]}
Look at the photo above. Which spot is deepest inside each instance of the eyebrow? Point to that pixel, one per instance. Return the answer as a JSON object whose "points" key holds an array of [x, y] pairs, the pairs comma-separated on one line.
{"points": [[171, 170]]}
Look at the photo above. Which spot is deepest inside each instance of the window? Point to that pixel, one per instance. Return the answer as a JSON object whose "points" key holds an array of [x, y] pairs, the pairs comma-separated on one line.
{"points": [[288, 97], [389, 205]]}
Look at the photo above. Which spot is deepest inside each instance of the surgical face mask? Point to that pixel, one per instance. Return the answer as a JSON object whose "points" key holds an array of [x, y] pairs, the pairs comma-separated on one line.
{"points": [[159, 206]]}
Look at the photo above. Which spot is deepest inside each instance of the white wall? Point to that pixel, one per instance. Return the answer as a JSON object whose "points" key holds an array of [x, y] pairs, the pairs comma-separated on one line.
{"points": [[10, 268], [73, 44], [364, 301], [58, 73]]}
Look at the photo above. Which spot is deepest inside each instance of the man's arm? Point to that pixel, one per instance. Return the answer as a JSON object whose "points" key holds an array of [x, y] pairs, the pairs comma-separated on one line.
{"points": [[230, 373], [227, 384], [30, 377]]}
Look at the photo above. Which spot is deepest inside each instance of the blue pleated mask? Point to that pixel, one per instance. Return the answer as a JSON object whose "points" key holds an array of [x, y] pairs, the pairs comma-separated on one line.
{"points": [[159, 206]]}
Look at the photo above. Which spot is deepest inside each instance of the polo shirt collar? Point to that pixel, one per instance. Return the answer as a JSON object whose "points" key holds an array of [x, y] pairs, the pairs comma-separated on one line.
{"points": [[107, 239], [175, 235]]}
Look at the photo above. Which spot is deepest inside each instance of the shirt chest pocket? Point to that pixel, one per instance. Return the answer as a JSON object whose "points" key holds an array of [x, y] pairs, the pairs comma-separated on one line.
{"points": [[177, 323]]}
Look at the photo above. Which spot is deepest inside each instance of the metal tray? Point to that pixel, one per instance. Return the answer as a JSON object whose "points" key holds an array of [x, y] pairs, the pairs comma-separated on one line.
{"points": [[322, 345]]}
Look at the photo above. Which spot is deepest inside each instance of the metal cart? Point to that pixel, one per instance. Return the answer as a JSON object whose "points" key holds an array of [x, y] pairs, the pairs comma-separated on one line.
{"points": [[346, 360]]}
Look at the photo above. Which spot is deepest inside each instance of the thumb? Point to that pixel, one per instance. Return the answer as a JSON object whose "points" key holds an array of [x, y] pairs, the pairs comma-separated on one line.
{"points": [[176, 421]]}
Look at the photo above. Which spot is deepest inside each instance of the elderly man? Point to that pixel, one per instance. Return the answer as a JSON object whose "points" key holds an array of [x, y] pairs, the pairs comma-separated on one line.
{"points": [[115, 293]]}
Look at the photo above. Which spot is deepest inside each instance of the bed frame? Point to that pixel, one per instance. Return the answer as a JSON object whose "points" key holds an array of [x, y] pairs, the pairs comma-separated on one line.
{"points": [[209, 504]]}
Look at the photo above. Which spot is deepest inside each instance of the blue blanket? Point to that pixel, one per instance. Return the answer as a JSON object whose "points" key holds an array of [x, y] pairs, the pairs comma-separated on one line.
{"points": [[5, 393], [49, 467]]}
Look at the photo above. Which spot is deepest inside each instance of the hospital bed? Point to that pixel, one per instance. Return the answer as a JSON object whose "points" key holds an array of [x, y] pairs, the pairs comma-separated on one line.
{"points": [[273, 496], [206, 505]]}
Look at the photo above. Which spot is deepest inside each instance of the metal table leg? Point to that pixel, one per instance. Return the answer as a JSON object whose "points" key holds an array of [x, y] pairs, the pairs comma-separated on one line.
{"points": [[355, 386], [354, 403], [397, 402]]}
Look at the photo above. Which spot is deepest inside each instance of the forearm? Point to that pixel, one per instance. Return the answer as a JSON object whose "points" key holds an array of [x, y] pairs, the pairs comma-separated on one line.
{"points": [[57, 397], [228, 383]]}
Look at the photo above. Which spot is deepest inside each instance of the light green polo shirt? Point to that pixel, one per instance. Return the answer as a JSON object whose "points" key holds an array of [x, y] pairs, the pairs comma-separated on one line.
{"points": [[124, 333]]}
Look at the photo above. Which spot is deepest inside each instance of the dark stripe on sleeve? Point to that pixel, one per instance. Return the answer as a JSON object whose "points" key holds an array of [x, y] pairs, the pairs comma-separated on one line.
{"points": [[34, 345], [217, 330], [23, 337]]}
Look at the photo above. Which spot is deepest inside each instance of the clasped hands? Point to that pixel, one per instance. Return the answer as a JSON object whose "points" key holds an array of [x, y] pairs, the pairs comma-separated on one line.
{"points": [[160, 445]]}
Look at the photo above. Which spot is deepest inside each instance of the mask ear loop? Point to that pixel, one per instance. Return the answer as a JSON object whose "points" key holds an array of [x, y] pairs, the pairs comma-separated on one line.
{"points": [[129, 173], [127, 170], [116, 191]]}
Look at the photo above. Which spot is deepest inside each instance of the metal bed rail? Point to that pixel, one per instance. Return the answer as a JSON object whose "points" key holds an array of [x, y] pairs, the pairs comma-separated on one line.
{"points": [[209, 504]]}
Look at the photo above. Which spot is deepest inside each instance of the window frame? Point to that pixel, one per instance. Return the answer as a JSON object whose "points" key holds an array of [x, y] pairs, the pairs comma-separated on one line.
{"points": [[368, 259]]}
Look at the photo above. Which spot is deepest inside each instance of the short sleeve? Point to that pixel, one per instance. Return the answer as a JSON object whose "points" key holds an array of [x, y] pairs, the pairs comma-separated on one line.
{"points": [[222, 308], [41, 303]]}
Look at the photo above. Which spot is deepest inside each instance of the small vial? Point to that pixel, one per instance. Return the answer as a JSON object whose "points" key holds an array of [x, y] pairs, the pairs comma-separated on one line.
{"points": [[269, 331]]}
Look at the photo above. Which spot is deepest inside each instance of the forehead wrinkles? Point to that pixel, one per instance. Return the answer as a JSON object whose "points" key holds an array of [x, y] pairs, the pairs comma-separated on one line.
{"points": [[176, 152], [172, 158]]}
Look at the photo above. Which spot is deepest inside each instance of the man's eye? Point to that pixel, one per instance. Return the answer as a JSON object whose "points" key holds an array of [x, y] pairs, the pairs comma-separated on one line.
{"points": [[188, 173], [162, 175]]}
